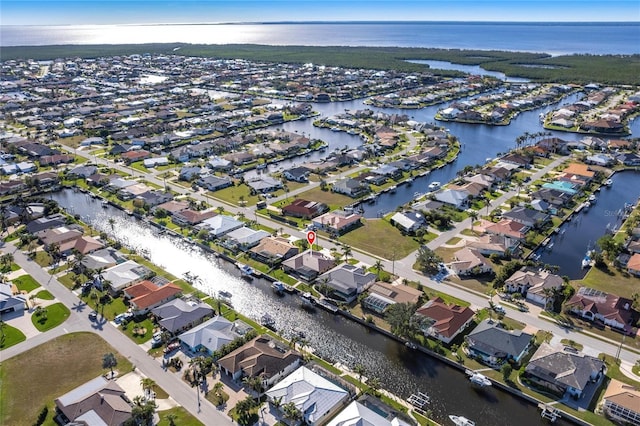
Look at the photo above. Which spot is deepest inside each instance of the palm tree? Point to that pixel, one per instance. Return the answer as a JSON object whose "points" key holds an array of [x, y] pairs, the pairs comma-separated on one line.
{"points": [[374, 385], [346, 250], [217, 388], [171, 418], [291, 412], [360, 370], [378, 266], [473, 215], [147, 384], [109, 361]]}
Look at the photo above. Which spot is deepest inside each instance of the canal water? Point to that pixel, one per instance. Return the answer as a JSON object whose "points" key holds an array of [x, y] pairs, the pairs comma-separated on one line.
{"points": [[471, 69], [582, 232], [401, 370]]}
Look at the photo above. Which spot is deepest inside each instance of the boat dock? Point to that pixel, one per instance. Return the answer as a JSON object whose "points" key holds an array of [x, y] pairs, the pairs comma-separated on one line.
{"points": [[326, 305], [419, 400], [548, 412]]}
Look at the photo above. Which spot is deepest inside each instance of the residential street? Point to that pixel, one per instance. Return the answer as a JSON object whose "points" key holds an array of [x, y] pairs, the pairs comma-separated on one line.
{"points": [[182, 393], [404, 267]]}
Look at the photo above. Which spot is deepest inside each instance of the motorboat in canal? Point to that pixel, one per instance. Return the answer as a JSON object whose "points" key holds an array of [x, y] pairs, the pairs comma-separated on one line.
{"points": [[461, 421], [392, 188], [586, 260], [409, 181], [434, 185], [267, 321], [246, 272], [278, 287], [592, 198], [307, 300], [479, 379], [608, 183]]}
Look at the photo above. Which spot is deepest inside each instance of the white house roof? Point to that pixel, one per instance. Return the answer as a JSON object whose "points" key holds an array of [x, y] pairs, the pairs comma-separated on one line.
{"points": [[311, 393], [357, 414], [124, 273], [211, 334], [221, 224], [246, 235]]}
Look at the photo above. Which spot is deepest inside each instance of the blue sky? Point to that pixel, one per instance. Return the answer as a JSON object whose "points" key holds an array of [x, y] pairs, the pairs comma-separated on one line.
{"points": [[39, 12]]}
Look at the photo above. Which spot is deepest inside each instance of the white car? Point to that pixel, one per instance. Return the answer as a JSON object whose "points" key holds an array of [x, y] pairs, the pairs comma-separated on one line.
{"points": [[499, 309]]}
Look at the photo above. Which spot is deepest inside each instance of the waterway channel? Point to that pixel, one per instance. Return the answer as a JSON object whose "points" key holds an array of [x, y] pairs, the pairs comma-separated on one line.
{"points": [[401, 370]]}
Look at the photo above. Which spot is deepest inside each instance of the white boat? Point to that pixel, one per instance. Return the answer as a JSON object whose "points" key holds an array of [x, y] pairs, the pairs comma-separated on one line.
{"points": [[409, 181], [592, 198], [586, 205], [246, 271], [480, 380], [586, 261], [608, 182], [278, 286], [392, 188], [307, 300], [434, 185], [267, 321], [105, 204], [461, 421]]}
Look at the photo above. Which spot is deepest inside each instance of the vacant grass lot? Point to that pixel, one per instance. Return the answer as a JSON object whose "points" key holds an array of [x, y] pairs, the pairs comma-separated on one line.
{"points": [[379, 237], [26, 283], [610, 280], [183, 418], [331, 199], [12, 336], [71, 360], [56, 314]]}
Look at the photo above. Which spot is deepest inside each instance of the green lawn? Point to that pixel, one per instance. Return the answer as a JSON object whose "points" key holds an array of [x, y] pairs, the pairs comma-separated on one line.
{"points": [[69, 279], [331, 199], [55, 315], [611, 280], [144, 325], [183, 417], [380, 238], [26, 283], [44, 295], [10, 336], [110, 310], [71, 360], [235, 194]]}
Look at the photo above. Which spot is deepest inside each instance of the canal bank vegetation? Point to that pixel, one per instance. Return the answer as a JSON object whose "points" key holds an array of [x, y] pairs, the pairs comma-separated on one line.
{"points": [[606, 69]]}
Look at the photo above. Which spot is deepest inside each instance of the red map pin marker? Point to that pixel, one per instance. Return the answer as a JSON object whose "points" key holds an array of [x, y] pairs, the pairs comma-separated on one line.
{"points": [[311, 237]]}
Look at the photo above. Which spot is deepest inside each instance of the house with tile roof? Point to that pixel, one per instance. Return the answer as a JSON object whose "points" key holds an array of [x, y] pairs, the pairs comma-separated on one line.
{"points": [[358, 413], [315, 397], [337, 221], [273, 250], [261, 357], [508, 228], [622, 402], [146, 295], [564, 371], [304, 209], [308, 265], [535, 285], [633, 265], [612, 310], [444, 322], [469, 261], [382, 295], [494, 345], [97, 402]]}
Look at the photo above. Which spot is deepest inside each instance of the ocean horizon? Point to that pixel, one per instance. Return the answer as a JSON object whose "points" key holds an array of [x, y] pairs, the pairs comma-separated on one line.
{"points": [[554, 38]]}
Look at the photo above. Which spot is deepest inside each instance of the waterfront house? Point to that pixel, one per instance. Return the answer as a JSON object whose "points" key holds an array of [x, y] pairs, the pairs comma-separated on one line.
{"points": [[469, 261], [101, 259], [491, 243], [337, 221], [602, 160], [209, 336], [314, 396], [124, 275], [350, 187], [308, 265], [622, 403], [297, 174], [442, 321], [579, 169], [48, 222], [10, 302], [244, 238], [58, 236], [633, 265], [220, 225], [189, 217], [538, 286], [178, 315], [264, 184], [453, 197], [508, 228], [494, 345], [526, 216], [381, 295], [595, 305], [629, 159], [564, 371], [347, 281], [261, 357], [273, 250], [408, 221], [358, 414], [553, 196], [146, 295], [304, 209], [96, 402]]}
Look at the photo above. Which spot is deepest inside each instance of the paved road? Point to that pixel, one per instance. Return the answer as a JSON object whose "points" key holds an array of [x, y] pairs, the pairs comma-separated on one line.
{"points": [[404, 267], [79, 321]]}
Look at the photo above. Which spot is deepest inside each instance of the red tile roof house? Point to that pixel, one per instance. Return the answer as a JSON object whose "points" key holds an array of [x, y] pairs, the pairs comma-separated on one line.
{"points": [[191, 217], [133, 156], [508, 228], [612, 310], [337, 221], [633, 265], [305, 209], [146, 295], [445, 322], [470, 262]]}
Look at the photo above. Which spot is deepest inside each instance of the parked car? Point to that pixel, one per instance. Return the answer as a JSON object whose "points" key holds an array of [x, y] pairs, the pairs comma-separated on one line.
{"points": [[93, 315], [171, 347], [156, 340], [499, 309]]}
